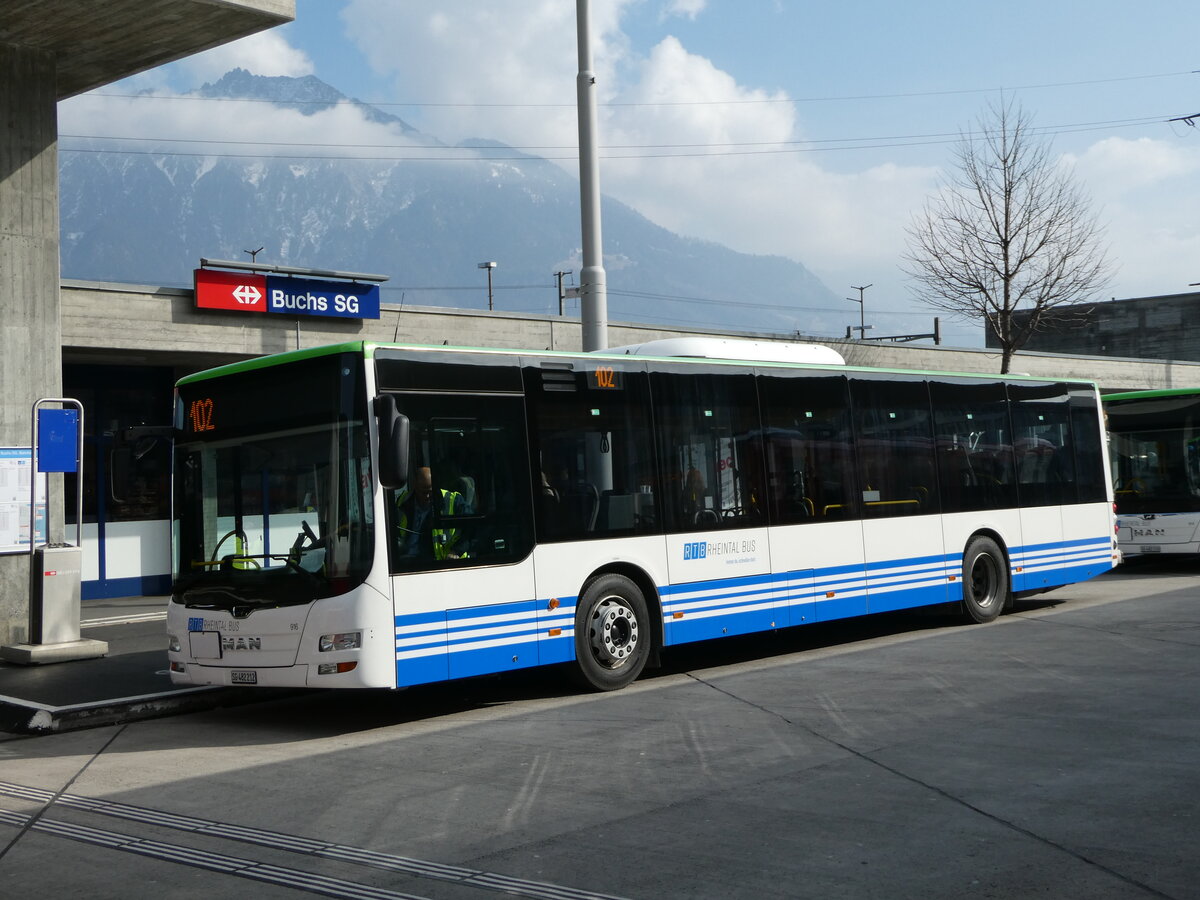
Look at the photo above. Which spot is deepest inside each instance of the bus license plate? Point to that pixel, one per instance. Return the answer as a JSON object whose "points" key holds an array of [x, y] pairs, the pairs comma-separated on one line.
{"points": [[243, 678]]}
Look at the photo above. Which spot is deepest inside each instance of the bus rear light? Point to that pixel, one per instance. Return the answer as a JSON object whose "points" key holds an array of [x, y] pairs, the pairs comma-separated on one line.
{"points": [[350, 640], [178, 667], [336, 668], [173, 644]]}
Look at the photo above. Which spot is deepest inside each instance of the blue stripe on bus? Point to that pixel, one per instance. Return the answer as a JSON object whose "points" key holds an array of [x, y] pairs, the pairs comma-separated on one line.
{"points": [[458, 643], [435, 646]]}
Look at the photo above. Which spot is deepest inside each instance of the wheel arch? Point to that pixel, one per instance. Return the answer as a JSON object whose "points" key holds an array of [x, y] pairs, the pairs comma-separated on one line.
{"points": [[995, 536]]}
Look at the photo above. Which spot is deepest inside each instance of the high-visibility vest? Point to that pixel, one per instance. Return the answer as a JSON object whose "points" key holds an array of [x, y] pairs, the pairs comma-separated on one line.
{"points": [[444, 539]]}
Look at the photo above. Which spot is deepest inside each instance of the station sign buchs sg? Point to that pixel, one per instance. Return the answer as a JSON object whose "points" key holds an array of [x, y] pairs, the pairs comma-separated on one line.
{"points": [[247, 292]]}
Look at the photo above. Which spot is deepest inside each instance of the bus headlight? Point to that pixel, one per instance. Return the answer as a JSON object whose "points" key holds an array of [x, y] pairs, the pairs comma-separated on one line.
{"points": [[173, 644], [350, 640]]}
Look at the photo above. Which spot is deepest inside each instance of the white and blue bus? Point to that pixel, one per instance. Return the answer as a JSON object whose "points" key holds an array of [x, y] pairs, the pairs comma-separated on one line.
{"points": [[1154, 441], [590, 510]]}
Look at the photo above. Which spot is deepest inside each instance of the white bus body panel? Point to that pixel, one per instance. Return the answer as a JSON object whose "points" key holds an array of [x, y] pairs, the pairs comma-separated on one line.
{"points": [[1159, 533], [280, 647], [906, 564], [720, 584], [458, 622], [824, 570]]}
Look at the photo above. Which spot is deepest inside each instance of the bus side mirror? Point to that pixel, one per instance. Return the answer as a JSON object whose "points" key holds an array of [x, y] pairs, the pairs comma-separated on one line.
{"points": [[393, 442]]}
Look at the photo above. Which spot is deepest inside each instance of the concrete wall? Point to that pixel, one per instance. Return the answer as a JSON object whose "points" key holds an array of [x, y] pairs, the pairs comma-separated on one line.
{"points": [[30, 365], [128, 323], [49, 50]]}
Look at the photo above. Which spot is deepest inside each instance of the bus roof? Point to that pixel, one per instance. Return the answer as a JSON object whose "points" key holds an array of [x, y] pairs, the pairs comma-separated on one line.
{"points": [[1152, 395], [829, 358], [734, 349]]}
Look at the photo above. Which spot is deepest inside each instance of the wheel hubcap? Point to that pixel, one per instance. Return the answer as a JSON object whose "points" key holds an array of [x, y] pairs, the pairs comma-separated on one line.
{"points": [[984, 581], [614, 632]]}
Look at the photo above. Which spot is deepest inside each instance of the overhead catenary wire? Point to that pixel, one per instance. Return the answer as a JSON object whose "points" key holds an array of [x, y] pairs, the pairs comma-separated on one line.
{"points": [[487, 154], [736, 101], [462, 148]]}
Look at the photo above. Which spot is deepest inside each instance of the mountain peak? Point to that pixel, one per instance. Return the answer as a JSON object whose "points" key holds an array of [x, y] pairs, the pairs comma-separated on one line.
{"points": [[307, 94]]}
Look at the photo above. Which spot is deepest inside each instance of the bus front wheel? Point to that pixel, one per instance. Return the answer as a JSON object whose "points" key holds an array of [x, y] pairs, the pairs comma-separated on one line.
{"points": [[984, 580], [612, 633]]}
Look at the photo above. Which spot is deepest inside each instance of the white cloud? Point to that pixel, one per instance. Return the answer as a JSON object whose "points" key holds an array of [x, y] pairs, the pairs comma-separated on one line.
{"points": [[1123, 165], [1141, 190], [184, 118], [687, 9], [729, 175], [754, 185], [510, 64], [265, 53]]}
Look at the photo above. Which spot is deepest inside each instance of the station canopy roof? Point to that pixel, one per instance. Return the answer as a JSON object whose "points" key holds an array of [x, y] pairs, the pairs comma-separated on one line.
{"points": [[97, 42]]}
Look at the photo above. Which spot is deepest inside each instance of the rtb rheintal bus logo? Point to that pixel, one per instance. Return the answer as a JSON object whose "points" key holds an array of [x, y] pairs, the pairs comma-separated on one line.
{"points": [[695, 550]]}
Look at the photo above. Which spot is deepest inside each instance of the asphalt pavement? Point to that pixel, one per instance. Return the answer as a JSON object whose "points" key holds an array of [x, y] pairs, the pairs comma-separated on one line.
{"points": [[1052, 753]]}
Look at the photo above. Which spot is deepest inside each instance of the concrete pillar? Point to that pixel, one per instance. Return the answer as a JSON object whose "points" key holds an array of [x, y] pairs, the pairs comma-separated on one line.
{"points": [[30, 336]]}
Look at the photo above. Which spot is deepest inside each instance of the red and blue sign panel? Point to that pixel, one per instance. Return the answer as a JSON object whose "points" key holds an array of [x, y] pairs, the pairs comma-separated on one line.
{"points": [[247, 292]]}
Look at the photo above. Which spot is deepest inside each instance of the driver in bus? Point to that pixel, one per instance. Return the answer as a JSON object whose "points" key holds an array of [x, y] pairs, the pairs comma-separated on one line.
{"points": [[415, 508]]}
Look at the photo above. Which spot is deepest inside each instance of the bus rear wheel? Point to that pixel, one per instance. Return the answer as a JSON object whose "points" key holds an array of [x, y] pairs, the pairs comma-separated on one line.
{"points": [[612, 633], [984, 580]]}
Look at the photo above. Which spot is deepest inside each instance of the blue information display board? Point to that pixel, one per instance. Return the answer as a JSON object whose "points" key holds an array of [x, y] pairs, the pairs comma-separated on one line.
{"points": [[309, 297], [58, 440]]}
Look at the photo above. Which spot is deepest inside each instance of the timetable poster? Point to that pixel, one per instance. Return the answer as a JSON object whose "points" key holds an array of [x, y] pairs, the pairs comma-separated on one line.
{"points": [[16, 479]]}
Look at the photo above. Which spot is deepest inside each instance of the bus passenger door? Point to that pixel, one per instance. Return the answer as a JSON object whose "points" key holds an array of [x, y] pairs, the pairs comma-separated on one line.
{"points": [[461, 537]]}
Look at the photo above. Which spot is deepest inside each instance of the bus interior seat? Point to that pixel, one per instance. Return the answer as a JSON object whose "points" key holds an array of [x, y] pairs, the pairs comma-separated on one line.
{"points": [[617, 512], [581, 505]]}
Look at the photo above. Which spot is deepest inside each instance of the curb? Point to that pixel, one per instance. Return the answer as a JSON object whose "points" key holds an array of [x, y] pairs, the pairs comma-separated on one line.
{"points": [[27, 717]]}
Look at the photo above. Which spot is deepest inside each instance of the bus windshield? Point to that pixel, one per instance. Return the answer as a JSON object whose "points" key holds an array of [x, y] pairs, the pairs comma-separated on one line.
{"points": [[272, 486], [1155, 447], [1157, 471]]}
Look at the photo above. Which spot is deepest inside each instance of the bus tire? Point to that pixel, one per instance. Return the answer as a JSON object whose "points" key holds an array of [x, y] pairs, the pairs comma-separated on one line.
{"points": [[985, 580], [612, 633]]}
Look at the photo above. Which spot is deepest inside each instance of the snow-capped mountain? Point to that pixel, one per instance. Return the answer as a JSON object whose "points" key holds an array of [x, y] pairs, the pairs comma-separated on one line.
{"points": [[147, 215]]}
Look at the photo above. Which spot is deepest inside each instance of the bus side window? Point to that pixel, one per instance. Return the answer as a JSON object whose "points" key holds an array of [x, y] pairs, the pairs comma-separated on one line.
{"points": [[810, 458], [894, 428], [588, 438], [973, 444], [1043, 444], [709, 433]]}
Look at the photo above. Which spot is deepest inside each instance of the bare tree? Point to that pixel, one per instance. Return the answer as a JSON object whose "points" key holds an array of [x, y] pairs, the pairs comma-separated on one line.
{"points": [[1009, 230]]}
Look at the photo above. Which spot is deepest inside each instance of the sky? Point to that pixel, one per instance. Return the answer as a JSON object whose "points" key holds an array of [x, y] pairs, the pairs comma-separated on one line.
{"points": [[814, 131]]}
